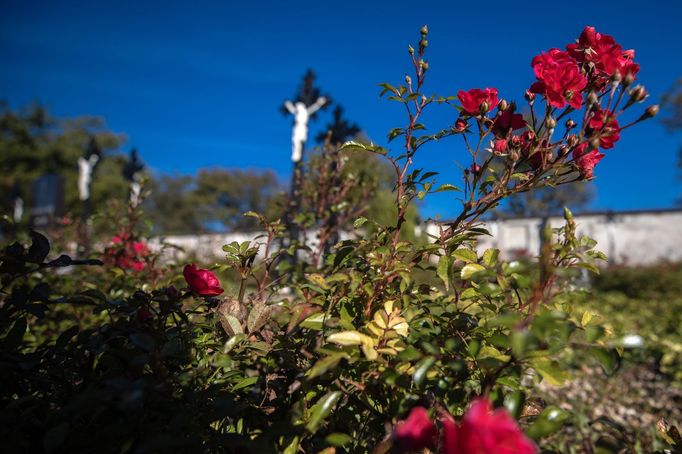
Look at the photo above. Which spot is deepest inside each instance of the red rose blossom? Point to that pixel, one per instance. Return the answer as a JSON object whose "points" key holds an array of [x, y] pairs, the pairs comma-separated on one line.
{"points": [[471, 100], [484, 431], [604, 125], [586, 161], [604, 53], [201, 281], [416, 432], [559, 78], [507, 121]]}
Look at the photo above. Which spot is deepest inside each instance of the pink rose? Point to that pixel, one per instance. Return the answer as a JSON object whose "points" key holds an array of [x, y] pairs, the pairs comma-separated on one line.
{"points": [[416, 432], [201, 281], [559, 79], [483, 431], [473, 99]]}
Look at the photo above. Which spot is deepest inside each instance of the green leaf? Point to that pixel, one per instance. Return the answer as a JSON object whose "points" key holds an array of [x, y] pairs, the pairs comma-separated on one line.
{"points": [[321, 410], [550, 370], [39, 249], [549, 421], [422, 369], [446, 187], [469, 270], [608, 358], [513, 402], [466, 255], [490, 257], [246, 382], [259, 315], [359, 222], [346, 338], [338, 439], [324, 365], [444, 270]]}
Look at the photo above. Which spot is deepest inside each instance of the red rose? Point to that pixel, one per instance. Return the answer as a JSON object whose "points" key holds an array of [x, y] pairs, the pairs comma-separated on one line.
{"points": [[201, 281], [586, 161], [559, 78], [507, 121], [604, 125], [604, 53], [484, 431], [473, 99], [416, 432], [499, 146]]}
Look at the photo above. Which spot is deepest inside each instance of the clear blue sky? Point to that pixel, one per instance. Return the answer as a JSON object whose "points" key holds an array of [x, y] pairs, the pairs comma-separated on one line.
{"points": [[199, 84]]}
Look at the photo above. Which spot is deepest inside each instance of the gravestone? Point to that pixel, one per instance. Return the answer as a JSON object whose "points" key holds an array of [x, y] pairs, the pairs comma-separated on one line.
{"points": [[47, 201]]}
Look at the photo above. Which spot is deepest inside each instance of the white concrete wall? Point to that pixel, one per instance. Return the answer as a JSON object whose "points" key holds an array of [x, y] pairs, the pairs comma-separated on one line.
{"points": [[633, 238]]}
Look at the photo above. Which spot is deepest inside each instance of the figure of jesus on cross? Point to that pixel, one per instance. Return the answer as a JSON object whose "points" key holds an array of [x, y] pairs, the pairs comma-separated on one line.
{"points": [[302, 114]]}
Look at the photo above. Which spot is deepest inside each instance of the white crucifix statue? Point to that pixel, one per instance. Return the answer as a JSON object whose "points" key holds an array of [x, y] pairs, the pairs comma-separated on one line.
{"points": [[302, 114], [85, 169]]}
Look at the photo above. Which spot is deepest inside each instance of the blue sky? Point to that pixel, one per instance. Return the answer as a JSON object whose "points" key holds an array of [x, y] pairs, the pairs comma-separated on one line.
{"points": [[199, 84]]}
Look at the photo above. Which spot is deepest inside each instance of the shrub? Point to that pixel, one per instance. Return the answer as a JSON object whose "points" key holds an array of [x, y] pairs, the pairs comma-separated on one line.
{"points": [[331, 352]]}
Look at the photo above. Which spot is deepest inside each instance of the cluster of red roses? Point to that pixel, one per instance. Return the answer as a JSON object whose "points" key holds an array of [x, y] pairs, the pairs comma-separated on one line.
{"points": [[127, 253], [593, 67], [481, 431]]}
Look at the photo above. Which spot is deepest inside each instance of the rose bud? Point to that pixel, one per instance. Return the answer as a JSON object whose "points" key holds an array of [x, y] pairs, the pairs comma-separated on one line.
{"points": [[499, 146], [144, 314], [484, 107], [460, 124], [570, 124], [638, 94], [530, 97], [408, 79], [629, 79], [551, 123], [650, 112], [172, 293], [594, 143], [616, 77], [572, 140], [515, 141], [425, 30], [475, 168], [502, 105], [202, 281], [592, 98], [410, 49]]}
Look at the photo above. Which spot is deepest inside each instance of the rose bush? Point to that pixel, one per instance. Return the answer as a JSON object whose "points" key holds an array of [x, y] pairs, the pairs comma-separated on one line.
{"points": [[332, 352]]}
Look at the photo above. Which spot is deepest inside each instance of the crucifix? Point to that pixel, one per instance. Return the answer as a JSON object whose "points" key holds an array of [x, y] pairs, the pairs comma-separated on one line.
{"points": [[18, 202], [304, 107], [132, 172], [86, 167]]}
